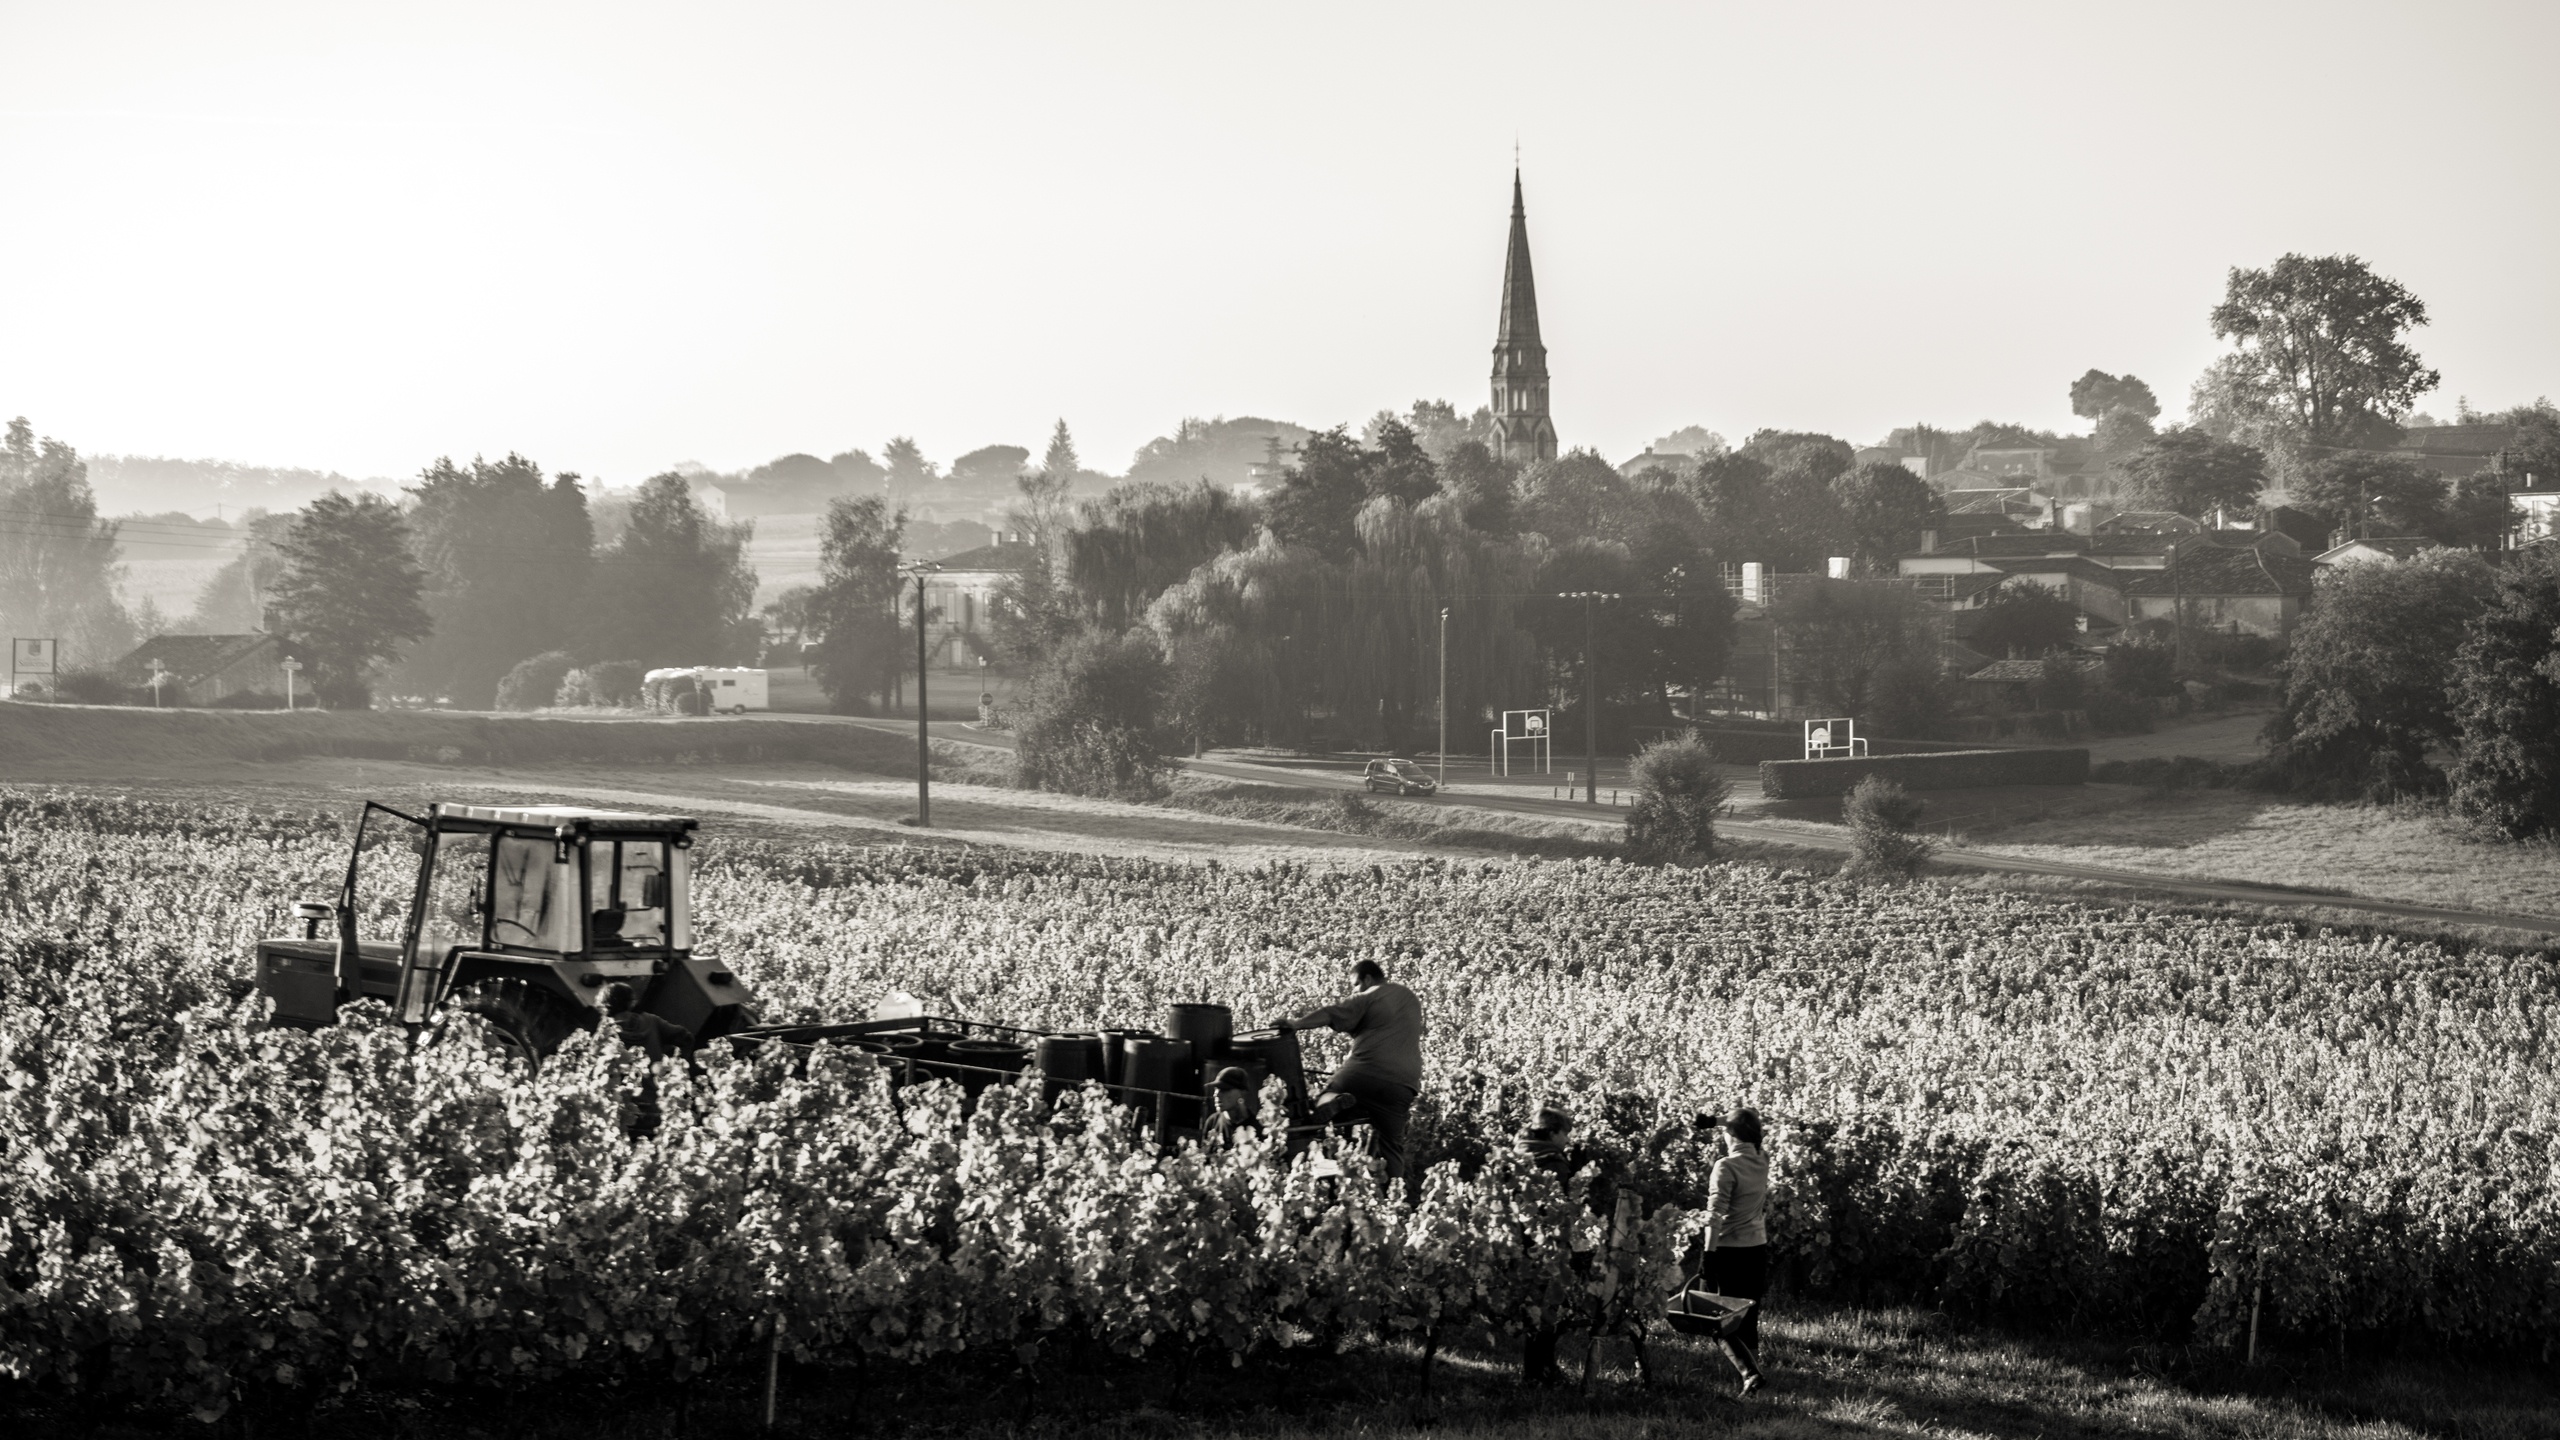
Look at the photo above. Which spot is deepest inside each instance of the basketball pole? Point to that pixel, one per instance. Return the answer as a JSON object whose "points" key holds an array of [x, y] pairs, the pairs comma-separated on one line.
{"points": [[1443, 782]]}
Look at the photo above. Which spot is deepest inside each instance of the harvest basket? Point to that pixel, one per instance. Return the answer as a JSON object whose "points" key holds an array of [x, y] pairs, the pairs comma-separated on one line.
{"points": [[1703, 1312]]}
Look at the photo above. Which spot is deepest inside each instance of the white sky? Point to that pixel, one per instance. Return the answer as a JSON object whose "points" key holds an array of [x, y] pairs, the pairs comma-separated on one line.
{"points": [[615, 236]]}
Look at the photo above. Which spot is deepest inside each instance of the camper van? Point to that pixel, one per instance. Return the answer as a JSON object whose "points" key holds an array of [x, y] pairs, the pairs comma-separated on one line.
{"points": [[733, 692]]}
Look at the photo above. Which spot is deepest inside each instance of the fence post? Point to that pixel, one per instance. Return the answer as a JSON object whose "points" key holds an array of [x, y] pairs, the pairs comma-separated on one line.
{"points": [[774, 1369]]}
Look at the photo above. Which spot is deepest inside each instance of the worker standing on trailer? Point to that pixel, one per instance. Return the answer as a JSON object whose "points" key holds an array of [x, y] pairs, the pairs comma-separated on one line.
{"points": [[1384, 1074]]}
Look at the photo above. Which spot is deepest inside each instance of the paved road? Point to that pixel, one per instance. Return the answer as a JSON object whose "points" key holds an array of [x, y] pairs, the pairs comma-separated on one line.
{"points": [[1321, 777]]}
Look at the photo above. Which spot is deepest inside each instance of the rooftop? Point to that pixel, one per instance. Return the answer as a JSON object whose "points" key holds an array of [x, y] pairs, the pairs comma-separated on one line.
{"points": [[998, 558], [192, 657], [2219, 570]]}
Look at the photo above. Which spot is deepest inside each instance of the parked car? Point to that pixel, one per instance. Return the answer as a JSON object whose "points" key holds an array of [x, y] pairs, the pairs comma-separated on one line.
{"points": [[1398, 777]]}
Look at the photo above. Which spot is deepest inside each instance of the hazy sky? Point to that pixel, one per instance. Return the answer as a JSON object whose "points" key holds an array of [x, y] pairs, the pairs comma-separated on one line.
{"points": [[615, 236]]}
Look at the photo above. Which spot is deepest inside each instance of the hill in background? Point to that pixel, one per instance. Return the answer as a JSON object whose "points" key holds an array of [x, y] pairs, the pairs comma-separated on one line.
{"points": [[151, 484]]}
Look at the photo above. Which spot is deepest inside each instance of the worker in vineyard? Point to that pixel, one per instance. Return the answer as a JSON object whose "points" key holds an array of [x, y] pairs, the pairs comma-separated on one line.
{"points": [[1384, 1072], [1736, 1242], [659, 1036]]}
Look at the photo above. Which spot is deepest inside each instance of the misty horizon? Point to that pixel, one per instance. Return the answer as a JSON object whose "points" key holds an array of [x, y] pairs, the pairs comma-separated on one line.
{"points": [[618, 241]]}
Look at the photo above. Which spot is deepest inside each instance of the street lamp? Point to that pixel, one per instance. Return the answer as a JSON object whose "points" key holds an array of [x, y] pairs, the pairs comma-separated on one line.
{"points": [[1441, 786], [1590, 695], [924, 739]]}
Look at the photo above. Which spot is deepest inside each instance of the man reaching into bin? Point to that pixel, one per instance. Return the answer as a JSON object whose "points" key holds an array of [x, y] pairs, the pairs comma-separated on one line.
{"points": [[1384, 1073]]}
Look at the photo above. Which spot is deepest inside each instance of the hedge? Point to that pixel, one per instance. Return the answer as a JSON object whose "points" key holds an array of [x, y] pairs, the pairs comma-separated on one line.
{"points": [[1952, 770], [1743, 746]]}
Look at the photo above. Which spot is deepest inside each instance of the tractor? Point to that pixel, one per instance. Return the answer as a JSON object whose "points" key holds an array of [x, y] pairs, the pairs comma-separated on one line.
{"points": [[523, 915]]}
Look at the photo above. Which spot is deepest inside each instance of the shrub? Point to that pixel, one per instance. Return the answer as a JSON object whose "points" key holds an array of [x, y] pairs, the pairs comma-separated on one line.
{"points": [[247, 700], [96, 687], [2059, 684], [614, 683], [1679, 792], [1088, 725], [2114, 712], [2137, 667], [534, 681], [338, 690], [1882, 819], [2173, 772]]}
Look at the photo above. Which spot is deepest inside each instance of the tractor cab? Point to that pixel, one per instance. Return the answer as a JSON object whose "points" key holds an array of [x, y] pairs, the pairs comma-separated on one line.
{"points": [[524, 914]]}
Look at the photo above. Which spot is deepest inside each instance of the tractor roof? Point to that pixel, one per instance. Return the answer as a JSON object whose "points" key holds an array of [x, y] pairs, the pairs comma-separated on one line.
{"points": [[563, 817]]}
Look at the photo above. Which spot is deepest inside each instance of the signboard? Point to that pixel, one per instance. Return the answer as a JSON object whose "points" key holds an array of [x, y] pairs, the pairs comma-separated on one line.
{"points": [[32, 663]]}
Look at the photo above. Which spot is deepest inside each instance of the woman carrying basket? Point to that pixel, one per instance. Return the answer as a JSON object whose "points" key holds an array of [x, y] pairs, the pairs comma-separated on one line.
{"points": [[1737, 1237]]}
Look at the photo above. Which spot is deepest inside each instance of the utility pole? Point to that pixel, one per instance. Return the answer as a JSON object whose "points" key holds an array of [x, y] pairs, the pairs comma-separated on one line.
{"points": [[1443, 782], [924, 737], [1590, 713]]}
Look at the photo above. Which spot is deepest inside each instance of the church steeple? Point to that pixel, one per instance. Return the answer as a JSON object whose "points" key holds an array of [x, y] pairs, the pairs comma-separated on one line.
{"points": [[1522, 431]]}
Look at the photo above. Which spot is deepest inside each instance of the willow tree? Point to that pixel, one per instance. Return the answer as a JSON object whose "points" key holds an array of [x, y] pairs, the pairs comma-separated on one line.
{"points": [[1412, 561]]}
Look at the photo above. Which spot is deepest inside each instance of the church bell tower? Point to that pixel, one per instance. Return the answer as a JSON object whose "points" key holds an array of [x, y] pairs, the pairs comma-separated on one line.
{"points": [[1521, 430]]}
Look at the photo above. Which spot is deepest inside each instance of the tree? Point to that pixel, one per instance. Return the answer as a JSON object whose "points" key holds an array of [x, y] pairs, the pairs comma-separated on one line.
{"points": [[507, 559], [1485, 486], [2321, 353], [675, 587], [1317, 497], [787, 614], [2366, 494], [234, 600], [1834, 636], [1060, 459], [2097, 394], [1679, 793], [58, 570], [1886, 508], [2505, 691], [853, 609], [2021, 618], [1141, 538], [2367, 676], [2193, 473], [348, 597], [1802, 523], [991, 467], [907, 467], [1246, 632], [1087, 724], [2120, 433]]}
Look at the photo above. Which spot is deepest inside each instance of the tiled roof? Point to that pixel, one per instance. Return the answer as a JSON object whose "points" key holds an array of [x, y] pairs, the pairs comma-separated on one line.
{"points": [[1000, 558], [2398, 547], [2018, 672], [2028, 542], [2203, 570], [191, 657], [2079, 566]]}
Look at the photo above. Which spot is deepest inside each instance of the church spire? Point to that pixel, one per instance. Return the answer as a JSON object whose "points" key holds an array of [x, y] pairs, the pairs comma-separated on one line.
{"points": [[1522, 430]]}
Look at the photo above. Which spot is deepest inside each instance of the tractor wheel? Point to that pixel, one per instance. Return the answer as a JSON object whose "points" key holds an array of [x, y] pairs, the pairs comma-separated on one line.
{"points": [[527, 1020]]}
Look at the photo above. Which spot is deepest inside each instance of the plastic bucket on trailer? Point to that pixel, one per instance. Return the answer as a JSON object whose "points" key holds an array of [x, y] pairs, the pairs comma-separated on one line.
{"points": [[975, 1058], [1115, 1056], [1067, 1061]]}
